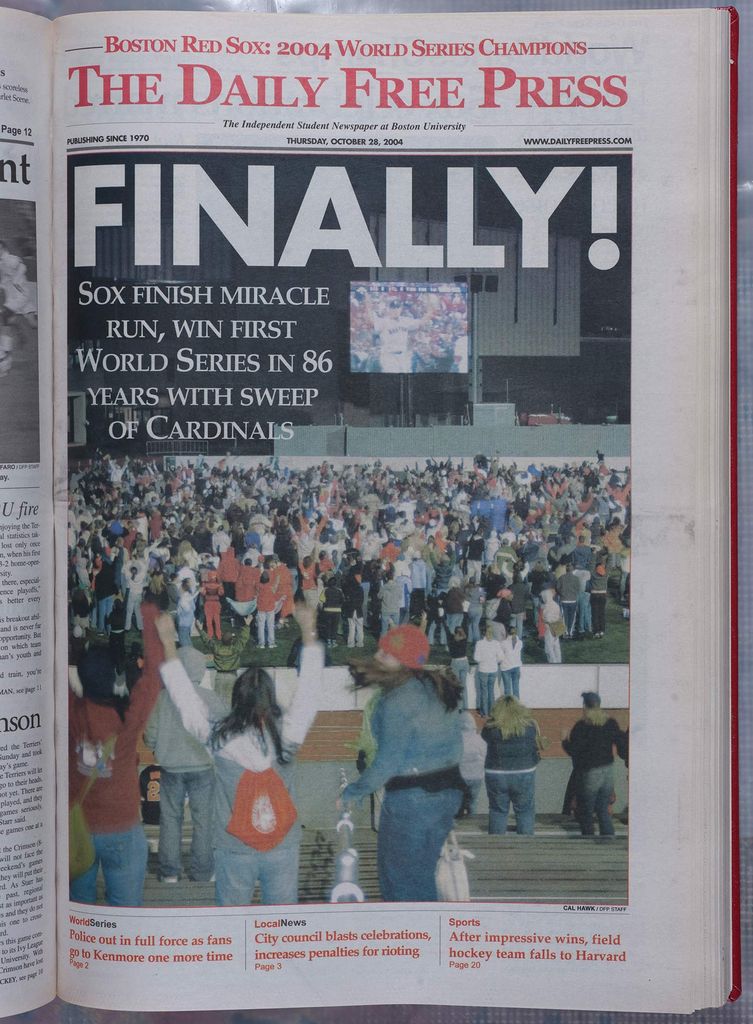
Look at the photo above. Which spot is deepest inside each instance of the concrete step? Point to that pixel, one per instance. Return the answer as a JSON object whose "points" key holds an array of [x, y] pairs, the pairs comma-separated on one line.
{"points": [[556, 865]]}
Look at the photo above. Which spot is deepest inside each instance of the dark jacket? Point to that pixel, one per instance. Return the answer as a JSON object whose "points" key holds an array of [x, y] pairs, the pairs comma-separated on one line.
{"points": [[568, 587], [514, 754], [592, 746], [104, 581], [333, 598], [352, 597], [442, 577]]}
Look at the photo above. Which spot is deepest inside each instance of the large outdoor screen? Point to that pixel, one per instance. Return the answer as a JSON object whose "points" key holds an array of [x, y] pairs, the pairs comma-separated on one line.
{"points": [[406, 327]]}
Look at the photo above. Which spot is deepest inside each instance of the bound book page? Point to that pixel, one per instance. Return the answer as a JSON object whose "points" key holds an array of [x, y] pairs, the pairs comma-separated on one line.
{"points": [[27, 757], [395, 355]]}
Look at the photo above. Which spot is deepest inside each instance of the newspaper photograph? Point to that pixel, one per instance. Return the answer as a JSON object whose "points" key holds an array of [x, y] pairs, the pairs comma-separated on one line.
{"points": [[360, 337]]}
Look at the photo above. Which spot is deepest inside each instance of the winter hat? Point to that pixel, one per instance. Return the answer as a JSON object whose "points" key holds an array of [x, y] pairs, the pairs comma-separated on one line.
{"points": [[96, 671], [591, 699], [408, 644], [194, 663]]}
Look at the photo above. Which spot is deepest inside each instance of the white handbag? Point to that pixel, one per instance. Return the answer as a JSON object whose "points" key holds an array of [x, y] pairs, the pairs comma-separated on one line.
{"points": [[451, 876]]}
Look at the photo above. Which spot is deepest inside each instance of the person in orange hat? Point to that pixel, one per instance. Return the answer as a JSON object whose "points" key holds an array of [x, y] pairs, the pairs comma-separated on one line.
{"points": [[417, 730]]}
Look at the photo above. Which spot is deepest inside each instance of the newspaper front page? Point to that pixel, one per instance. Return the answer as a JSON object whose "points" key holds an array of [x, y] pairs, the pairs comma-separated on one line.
{"points": [[381, 315], [27, 769]]}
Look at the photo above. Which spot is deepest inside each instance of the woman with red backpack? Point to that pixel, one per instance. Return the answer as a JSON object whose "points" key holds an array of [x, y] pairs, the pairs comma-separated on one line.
{"points": [[256, 837]]}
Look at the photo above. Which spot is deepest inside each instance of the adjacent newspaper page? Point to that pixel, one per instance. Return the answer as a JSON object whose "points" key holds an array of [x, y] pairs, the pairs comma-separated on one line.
{"points": [[27, 763], [405, 319]]}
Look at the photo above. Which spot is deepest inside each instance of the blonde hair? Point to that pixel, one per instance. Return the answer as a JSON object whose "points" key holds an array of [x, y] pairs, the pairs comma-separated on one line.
{"points": [[511, 717], [595, 716], [185, 550]]}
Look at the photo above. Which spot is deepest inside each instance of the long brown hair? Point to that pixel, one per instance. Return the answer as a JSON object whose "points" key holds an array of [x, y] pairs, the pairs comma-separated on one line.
{"points": [[252, 706], [368, 672]]}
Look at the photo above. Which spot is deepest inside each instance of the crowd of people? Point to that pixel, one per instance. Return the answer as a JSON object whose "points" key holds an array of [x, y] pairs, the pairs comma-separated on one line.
{"points": [[457, 549], [166, 557], [213, 752]]}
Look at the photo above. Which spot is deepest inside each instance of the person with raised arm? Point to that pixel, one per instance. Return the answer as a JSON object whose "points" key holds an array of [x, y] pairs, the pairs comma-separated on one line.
{"points": [[103, 736], [252, 739], [419, 745]]}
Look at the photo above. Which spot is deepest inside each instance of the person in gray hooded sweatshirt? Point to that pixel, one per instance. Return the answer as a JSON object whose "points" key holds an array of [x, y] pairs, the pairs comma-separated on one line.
{"points": [[186, 770]]}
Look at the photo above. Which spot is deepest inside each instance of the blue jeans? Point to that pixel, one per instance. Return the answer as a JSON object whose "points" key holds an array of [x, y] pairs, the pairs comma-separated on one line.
{"points": [[511, 681], [104, 607], [389, 621], [366, 588], [454, 619], [174, 787], [122, 857], [413, 826], [594, 793], [460, 667], [569, 609], [276, 871], [437, 626], [485, 691], [430, 574], [518, 787], [265, 629], [474, 618], [475, 789], [584, 612], [184, 633]]}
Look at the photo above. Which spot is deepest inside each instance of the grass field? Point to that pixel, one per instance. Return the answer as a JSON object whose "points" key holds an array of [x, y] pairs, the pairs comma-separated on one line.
{"points": [[611, 649]]}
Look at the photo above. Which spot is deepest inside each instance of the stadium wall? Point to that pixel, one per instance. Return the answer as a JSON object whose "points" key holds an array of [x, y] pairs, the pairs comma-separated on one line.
{"points": [[576, 442], [541, 686]]}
